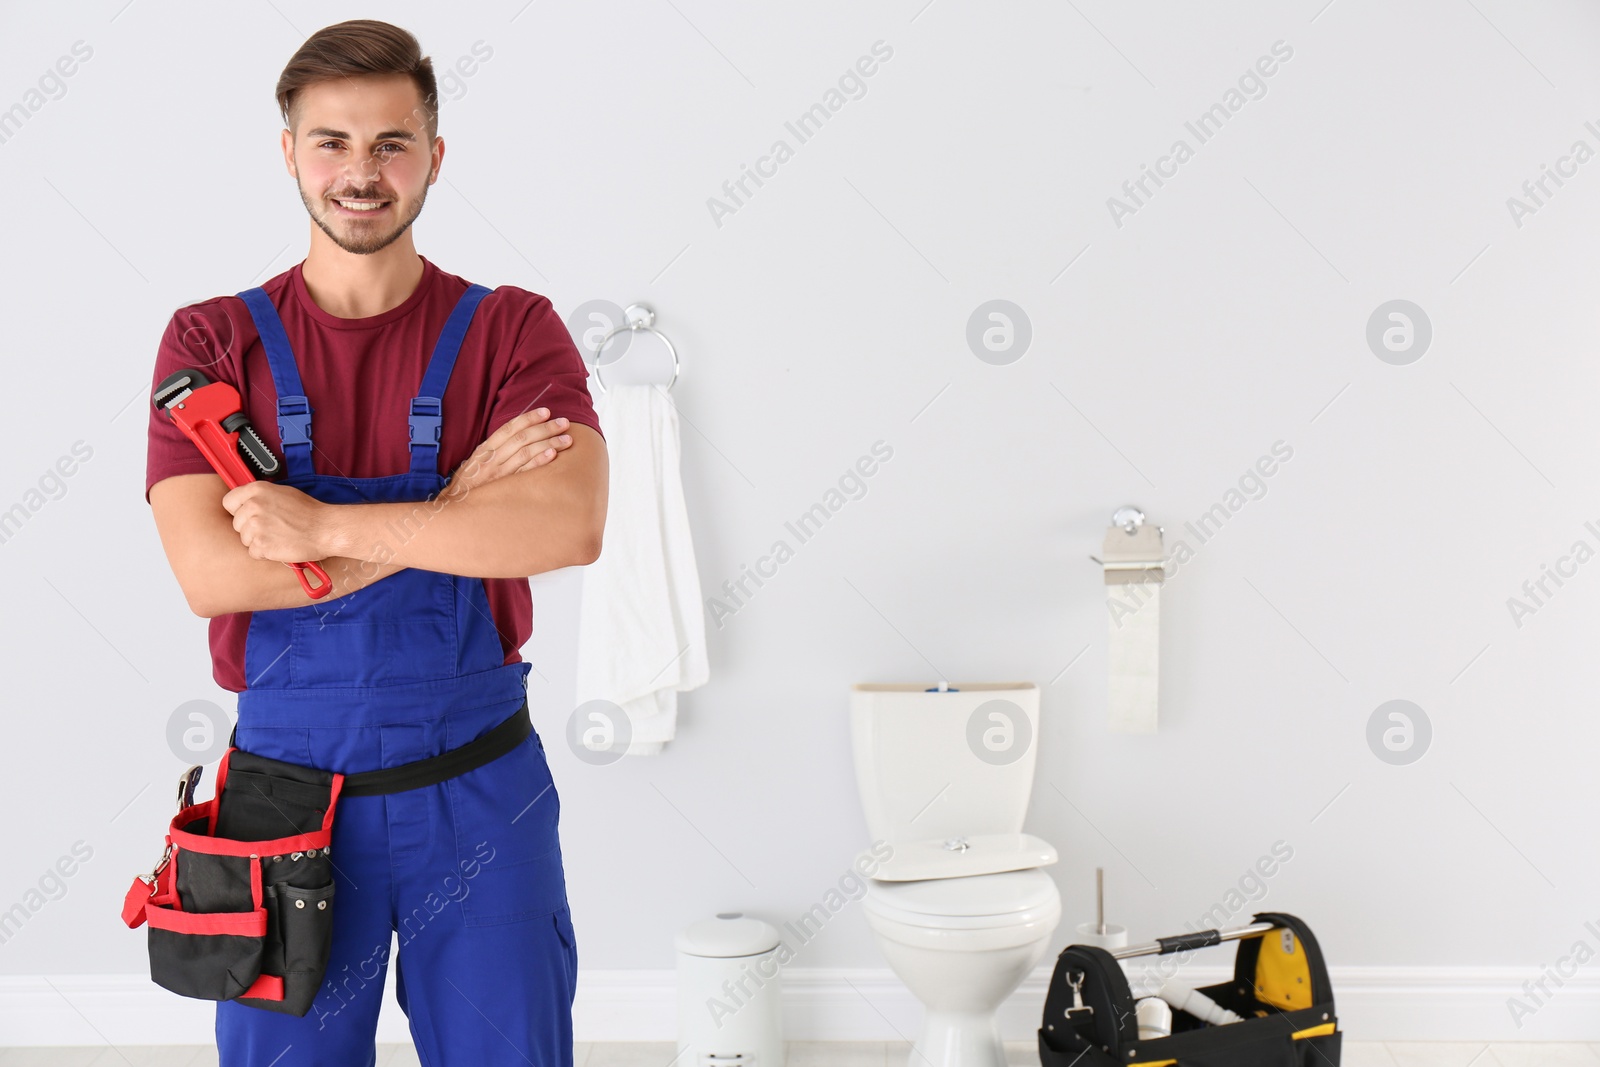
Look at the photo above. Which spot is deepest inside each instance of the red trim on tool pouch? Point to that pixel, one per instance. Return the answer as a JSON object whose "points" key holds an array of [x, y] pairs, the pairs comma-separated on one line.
{"points": [[265, 987], [243, 923], [224, 846], [167, 896], [134, 902]]}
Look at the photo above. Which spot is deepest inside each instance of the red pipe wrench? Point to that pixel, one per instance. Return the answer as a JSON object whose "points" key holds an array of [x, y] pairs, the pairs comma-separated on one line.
{"points": [[211, 415]]}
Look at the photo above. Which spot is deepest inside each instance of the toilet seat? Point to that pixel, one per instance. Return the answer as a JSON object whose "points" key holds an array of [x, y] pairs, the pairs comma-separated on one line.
{"points": [[972, 854], [971, 902]]}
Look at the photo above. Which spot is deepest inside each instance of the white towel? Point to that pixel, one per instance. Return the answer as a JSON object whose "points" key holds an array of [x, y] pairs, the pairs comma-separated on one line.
{"points": [[641, 625]]}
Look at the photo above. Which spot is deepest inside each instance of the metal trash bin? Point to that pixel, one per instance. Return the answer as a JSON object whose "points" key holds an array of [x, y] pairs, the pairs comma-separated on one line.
{"points": [[729, 996]]}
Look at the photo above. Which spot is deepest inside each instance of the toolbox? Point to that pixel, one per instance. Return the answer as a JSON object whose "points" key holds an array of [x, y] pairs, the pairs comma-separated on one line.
{"points": [[1279, 987]]}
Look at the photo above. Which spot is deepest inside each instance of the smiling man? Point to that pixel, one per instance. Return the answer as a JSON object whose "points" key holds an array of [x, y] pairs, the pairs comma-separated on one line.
{"points": [[372, 373]]}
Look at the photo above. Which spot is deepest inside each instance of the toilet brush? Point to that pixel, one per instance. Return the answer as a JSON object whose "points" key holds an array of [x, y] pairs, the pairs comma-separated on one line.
{"points": [[1099, 932]]}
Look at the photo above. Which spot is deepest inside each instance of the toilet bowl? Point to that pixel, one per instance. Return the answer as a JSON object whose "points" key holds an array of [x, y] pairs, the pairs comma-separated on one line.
{"points": [[961, 908], [962, 945]]}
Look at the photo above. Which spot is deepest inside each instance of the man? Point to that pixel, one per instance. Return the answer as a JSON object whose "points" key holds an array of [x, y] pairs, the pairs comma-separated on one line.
{"points": [[371, 371]]}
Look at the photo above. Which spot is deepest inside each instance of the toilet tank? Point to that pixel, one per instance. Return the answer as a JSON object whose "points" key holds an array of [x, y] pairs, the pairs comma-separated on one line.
{"points": [[944, 764]]}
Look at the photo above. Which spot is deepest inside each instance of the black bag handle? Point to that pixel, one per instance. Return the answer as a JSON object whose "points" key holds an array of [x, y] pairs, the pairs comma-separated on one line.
{"points": [[1162, 946], [1184, 942]]}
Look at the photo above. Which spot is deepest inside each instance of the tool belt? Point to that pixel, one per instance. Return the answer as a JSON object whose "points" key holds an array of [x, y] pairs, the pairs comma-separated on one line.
{"points": [[1280, 987], [240, 905]]}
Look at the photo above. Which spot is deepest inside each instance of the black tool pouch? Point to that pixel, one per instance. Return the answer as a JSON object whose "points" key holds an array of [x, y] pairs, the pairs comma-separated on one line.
{"points": [[241, 905], [1280, 986]]}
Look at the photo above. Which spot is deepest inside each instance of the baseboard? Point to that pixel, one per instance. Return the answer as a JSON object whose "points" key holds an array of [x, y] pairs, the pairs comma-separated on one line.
{"points": [[837, 1004]]}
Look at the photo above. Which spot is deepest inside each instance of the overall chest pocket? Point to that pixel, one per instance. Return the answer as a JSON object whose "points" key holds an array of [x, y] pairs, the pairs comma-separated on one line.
{"points": [[399, 630]]}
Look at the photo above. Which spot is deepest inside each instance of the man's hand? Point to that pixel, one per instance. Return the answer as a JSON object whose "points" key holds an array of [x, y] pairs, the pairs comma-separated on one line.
{"points": [[280, 523], [523, 443]]}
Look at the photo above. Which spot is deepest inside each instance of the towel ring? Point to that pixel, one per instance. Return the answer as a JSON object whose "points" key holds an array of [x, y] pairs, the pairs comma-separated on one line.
{"points": [[639, 317]]}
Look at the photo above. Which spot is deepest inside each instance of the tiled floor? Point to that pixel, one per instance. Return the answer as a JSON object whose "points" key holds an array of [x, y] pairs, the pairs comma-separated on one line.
{"points": [[842, 1054]]}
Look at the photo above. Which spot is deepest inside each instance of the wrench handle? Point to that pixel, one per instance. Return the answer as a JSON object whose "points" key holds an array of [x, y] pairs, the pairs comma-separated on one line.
{"points": [[318, 592]]}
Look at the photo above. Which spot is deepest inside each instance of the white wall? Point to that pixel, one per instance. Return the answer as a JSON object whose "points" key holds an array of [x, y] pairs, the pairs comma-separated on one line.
{"points": [[829, 312]]}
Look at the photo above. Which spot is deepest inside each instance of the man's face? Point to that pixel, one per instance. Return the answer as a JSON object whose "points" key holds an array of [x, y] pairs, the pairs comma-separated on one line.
{"points": [[361, 156]]}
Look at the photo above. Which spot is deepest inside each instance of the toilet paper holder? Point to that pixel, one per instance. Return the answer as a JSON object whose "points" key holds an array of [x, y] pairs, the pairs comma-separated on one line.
{"points": [[1130, 562]]}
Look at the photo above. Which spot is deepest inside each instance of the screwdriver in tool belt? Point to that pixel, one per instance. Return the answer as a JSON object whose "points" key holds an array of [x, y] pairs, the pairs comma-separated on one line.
{"points": [[210, 414]]}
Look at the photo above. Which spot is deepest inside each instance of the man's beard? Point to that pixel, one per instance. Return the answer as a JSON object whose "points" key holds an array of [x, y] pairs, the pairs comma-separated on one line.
{"points": [[363, 239]]}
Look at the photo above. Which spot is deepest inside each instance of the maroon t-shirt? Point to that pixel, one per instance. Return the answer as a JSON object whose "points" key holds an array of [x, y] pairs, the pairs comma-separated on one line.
{"points": [[359, 376]]}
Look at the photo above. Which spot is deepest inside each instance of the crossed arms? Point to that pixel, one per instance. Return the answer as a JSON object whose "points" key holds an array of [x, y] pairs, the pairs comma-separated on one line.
{"points": [[227, 547]]}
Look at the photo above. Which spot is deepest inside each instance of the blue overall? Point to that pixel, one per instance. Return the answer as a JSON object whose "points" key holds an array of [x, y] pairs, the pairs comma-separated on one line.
{"points": [[467, 872]]}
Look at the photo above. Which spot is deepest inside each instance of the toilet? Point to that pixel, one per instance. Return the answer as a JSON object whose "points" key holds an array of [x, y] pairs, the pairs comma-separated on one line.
{"points": [[962, 908]]}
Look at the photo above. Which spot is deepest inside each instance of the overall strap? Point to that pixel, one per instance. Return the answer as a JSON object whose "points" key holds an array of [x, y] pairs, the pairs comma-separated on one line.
{"points": [[294, 410], [427, 408]]}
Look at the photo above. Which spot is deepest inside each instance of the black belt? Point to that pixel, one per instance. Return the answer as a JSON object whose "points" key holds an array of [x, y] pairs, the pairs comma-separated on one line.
{"points": [[485, 748]]}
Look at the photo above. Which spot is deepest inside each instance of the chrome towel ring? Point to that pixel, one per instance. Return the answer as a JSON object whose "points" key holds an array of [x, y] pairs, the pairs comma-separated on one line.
{"points": [[639, 317]]}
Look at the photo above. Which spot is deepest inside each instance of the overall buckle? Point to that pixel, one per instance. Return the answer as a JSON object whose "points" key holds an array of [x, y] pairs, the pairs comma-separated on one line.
{"points": [[294, 420], [426, 421]]}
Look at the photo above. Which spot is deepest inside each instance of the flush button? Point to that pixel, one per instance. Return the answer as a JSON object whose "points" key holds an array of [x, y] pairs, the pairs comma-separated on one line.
{"points": [[956, 844]]}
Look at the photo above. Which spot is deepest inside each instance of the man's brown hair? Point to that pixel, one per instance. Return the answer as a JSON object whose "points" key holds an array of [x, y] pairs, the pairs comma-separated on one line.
{"points": [[359, 47]]}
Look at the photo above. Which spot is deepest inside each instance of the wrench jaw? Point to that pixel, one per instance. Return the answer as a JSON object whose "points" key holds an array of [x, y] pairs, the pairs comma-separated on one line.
{"points": [[176, 387], [257, 455], [192, 398]]}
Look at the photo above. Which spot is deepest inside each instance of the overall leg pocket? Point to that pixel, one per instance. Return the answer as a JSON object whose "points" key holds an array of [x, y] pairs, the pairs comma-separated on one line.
{"points": [[508, 849], [569, 944]]}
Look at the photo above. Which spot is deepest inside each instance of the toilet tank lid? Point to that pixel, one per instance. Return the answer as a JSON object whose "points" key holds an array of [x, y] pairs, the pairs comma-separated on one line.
{"points": [[983, 854], [728, 935]]}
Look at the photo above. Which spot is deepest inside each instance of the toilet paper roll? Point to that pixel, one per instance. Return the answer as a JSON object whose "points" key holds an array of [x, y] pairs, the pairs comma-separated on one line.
{"points": [[1134, 653], [1114, 937]]}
